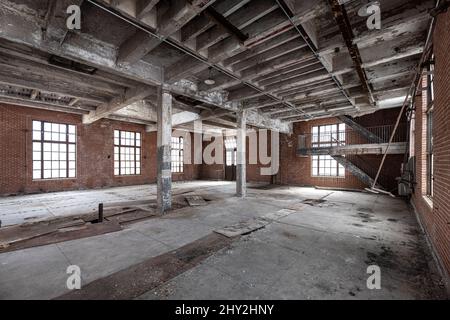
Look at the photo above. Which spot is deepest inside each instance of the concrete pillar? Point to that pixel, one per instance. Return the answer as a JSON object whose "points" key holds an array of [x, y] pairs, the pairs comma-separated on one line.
{"points": [[164, 116], [241, 167]]}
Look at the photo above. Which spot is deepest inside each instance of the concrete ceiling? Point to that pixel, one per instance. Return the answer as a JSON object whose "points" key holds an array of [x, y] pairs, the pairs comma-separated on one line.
{"points": [[286, 61]]}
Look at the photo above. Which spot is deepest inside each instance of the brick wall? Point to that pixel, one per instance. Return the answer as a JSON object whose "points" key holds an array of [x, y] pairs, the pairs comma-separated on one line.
{"points": [[435, 217], [95, 153], [296, 170]]}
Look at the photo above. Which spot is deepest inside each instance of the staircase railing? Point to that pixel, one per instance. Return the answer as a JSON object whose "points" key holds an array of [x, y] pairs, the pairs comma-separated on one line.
{"points": [[351, 137]]}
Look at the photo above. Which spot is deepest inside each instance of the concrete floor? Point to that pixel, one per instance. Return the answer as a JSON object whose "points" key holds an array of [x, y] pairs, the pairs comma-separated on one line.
{"points": [[319, 251]]}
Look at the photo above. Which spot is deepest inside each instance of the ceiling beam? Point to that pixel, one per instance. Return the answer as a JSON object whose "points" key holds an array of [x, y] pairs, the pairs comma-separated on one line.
{"points": [[25, 28], [39, 104], [144, 7], [343, 22], [240, 19], [179, 13], [201, 23], [47, 84], [227, 25], [131, 95]]}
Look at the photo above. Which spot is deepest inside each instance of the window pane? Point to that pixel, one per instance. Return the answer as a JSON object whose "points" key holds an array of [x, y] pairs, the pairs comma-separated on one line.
{"points": [[47, 174], [36, 135], [37, 146], [47, 136], [37, 165], [47, 165], [37, 125], [36, 174]]}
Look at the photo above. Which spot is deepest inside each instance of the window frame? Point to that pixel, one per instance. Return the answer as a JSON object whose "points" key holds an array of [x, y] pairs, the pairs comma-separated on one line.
{"points": [[429, 131], [43, 141], [137, 156], [177, 166], [337, 137]]}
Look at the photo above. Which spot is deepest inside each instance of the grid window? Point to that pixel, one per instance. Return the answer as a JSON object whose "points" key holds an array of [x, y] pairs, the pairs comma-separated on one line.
{"points": [[230, 148], [177, 152], [127, 153], [322, 137], [326, 166], [54, 150], [328, 136]]}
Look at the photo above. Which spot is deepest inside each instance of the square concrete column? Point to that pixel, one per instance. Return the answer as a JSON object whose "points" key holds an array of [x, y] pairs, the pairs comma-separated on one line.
{"points": [[164, 117], [241, 167]]}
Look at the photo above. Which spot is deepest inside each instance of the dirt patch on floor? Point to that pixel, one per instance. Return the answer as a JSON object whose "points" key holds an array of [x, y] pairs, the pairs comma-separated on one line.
{"points": [[289, 235], [321, 203], [366, 217]]}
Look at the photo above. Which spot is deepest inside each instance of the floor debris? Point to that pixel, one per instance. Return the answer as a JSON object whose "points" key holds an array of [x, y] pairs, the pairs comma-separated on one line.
{"points": [[243, 228], [195, 201]]}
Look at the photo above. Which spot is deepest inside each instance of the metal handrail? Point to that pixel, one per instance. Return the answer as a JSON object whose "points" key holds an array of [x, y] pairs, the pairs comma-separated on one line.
{"points": [[353, 137]]}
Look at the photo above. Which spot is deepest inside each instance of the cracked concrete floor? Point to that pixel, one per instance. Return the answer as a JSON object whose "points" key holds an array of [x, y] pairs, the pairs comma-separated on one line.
{"points": [[319, 250]]}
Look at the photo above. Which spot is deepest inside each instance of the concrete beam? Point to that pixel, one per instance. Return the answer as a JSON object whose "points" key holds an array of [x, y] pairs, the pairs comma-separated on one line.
{"points": [[43, 83], [384, 52], [179, 13], [263, 47], [131, 96], [211, 98], [269, 55], [144, 7], [24, 27], [39, 104], [177, 119]]}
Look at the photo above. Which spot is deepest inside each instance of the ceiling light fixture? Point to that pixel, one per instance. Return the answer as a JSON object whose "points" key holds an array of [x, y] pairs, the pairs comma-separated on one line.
{"points": [[210, 81]]}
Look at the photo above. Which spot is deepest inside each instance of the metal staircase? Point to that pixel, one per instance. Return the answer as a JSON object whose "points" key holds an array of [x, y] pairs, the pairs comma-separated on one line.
{"points": [[356, 171], [359, 141]]}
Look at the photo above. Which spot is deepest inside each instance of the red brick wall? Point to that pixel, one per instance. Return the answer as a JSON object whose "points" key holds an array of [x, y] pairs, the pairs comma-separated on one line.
{"points": [[95, 153], [436, 220], [296, 170]]}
